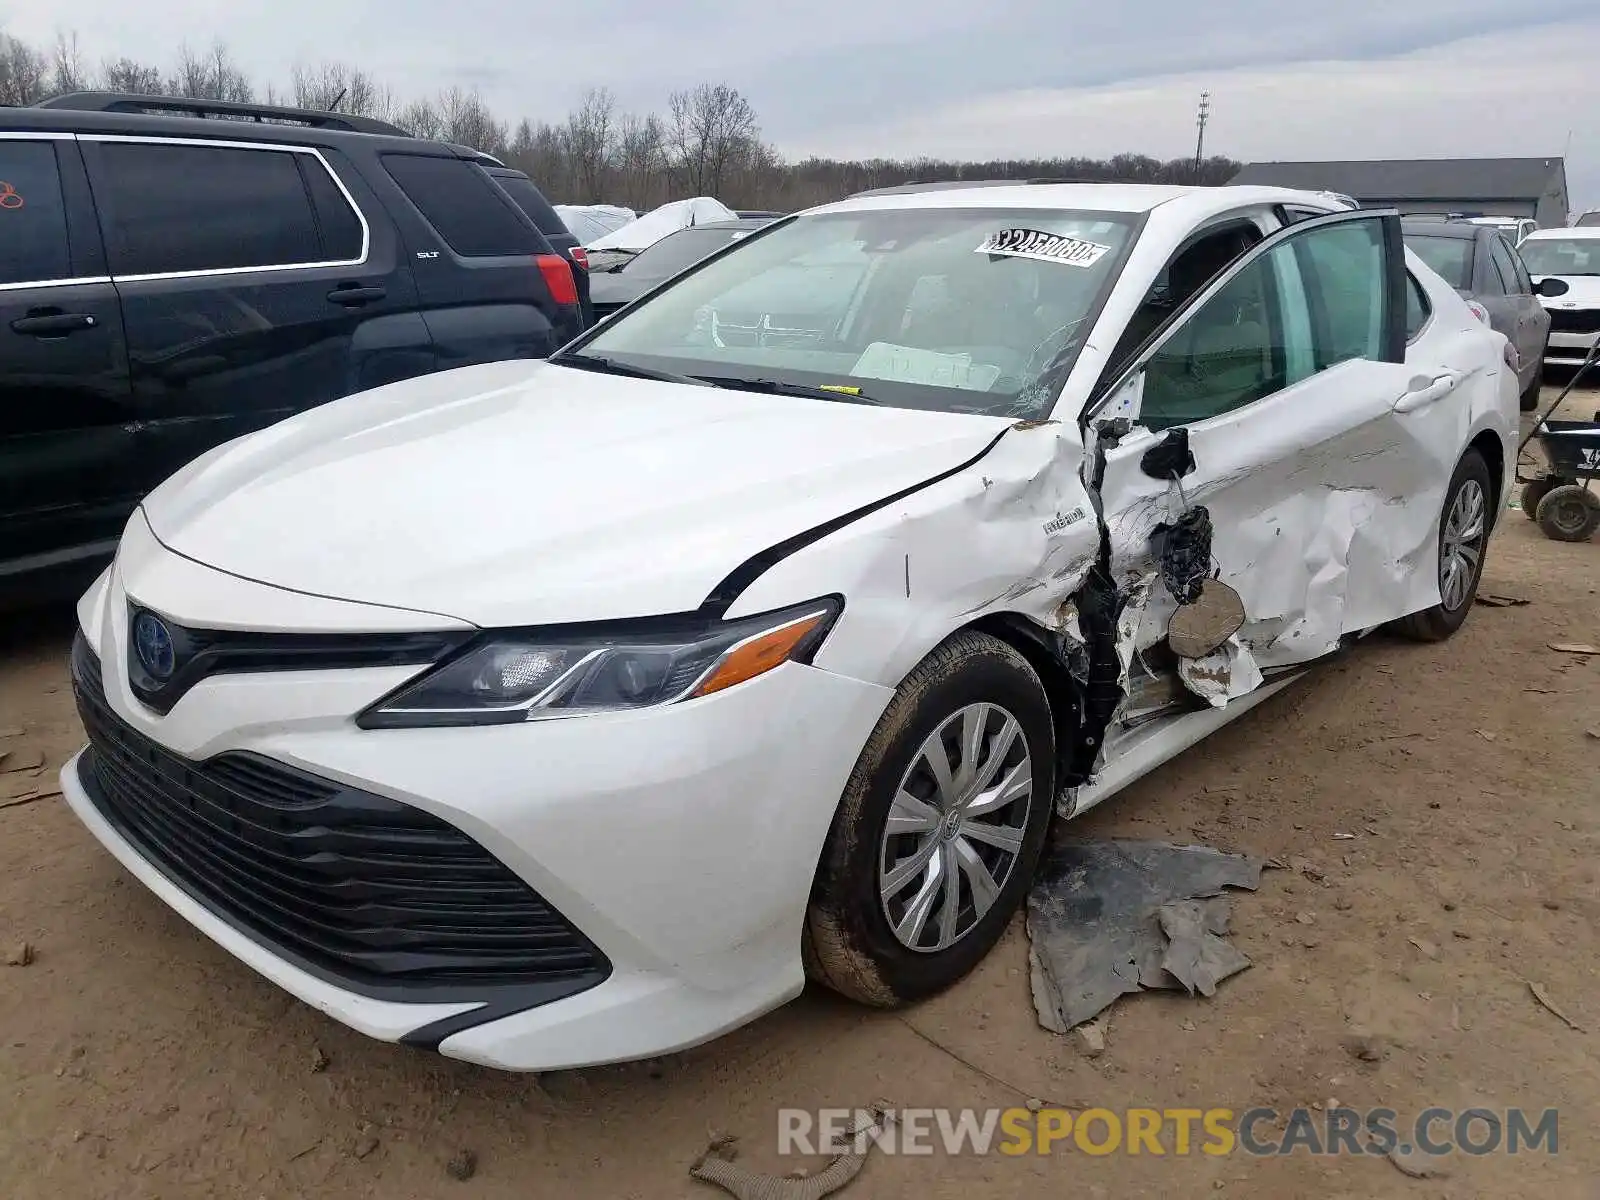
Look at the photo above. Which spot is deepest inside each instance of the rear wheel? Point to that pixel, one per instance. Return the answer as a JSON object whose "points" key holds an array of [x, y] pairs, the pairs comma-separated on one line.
{"points": [[939, 829], [1569, 513], [1463, 537]]}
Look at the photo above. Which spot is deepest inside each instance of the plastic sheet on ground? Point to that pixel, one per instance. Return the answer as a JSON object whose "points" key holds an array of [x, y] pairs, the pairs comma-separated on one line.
{"points": [[1107, 918]]}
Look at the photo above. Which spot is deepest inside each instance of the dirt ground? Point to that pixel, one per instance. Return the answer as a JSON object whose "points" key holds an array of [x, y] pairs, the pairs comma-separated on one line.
{"points": [[137, 1060]]}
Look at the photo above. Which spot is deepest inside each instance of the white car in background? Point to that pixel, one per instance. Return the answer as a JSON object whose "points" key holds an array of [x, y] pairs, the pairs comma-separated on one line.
{"points": [[1516, 229], [555, 713], [1572, 257]]}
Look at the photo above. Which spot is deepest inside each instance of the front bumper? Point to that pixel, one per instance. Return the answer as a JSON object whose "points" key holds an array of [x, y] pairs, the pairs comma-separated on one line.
{"points": [[680, 842], [1569, 349]]}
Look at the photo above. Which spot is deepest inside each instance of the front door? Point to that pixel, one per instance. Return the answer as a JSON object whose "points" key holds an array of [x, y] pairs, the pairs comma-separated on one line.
{"points": [[1531, 321], [67, 461], [1265, 452]]}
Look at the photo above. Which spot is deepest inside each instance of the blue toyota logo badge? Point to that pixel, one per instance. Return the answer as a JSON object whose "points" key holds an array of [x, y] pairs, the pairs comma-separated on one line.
{"points": [[152, 642]]}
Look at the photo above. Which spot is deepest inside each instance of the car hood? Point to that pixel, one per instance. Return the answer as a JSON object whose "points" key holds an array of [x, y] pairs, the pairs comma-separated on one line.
{"points": [[1583, 291], [524, 493]]}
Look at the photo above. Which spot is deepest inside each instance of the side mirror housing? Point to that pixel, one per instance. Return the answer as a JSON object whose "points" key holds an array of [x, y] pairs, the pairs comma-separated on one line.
{"points": [[1549, 285]]}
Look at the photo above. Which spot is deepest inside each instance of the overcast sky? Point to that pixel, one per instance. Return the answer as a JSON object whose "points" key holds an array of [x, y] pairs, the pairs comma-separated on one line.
{"points": [[951, 78]]}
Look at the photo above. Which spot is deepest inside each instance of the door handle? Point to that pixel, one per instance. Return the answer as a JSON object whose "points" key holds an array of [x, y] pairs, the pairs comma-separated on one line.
{"points": [[353, 295], [52, 325], [1426, 390]]}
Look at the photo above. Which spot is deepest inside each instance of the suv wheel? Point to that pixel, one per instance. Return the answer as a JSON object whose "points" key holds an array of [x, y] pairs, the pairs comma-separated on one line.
{"points": [[1463, 538], [939, 829]]}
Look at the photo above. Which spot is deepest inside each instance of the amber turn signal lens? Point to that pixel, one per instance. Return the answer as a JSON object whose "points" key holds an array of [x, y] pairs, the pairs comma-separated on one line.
{"points": [[759, 655]]}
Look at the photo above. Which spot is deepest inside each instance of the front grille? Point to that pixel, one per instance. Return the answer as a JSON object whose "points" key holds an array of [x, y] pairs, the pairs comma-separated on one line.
{"points": [[372, 893], [1575, 320]]}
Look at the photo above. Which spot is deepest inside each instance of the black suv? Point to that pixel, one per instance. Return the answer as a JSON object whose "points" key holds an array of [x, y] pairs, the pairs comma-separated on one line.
{"points": [[170, 282]]}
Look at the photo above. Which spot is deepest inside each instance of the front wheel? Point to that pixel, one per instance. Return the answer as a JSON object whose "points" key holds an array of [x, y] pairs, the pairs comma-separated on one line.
{"points": [[1569, 513], [1463, 538], [941, 824]]}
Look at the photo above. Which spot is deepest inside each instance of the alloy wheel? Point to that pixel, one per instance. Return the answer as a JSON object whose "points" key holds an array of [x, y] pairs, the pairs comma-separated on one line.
{"points": [[1461, 545], [955, 827]]}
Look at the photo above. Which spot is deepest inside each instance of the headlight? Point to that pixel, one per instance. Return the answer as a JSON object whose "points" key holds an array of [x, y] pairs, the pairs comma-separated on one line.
{"points": [[503, 678]]}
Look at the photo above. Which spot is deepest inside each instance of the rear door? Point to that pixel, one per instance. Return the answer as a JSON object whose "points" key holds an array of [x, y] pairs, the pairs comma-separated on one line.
{"points": [[1532, 322], [68, 475], [252, 287], [477, 263], [1273, 401]]}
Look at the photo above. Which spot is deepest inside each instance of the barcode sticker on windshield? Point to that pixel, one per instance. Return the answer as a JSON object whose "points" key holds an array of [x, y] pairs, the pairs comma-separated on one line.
{"points": [[1046, 247]]}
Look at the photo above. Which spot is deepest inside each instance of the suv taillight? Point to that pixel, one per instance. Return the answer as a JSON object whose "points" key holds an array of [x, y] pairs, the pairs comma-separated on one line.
{"points": [[580, 256], [558, 278]]}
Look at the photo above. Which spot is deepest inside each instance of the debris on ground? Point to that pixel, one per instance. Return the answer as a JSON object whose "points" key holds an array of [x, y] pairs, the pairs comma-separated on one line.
{"points": [[1417, 1169], [20, 955], [1110, 917], [319, 1059], [11, 731], [1366, 1047], [716, 1167], [1543, 997], [1574, 648], [31, 797], [365, 1144], [463, 1165], [1489, 600], [1092, 1039]]}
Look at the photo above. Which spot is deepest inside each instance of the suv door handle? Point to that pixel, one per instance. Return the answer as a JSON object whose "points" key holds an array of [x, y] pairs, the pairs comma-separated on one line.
{"points": [[351, 295], [53, 324]]}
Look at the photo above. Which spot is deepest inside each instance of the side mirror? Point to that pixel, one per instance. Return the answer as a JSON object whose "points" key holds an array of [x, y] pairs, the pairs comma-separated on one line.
{"points": [[1549, 285]]}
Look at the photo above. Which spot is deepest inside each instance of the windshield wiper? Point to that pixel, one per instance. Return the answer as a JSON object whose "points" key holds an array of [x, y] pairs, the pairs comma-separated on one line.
{"points": [[778, 387], [613, 366]]}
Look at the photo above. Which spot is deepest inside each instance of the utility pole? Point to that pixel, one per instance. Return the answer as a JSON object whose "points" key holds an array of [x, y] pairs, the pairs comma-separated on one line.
{"points": [[1201, 118]]}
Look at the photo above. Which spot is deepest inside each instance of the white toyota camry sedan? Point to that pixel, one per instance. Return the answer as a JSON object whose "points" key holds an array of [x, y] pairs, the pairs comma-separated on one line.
{"points": [[556, 713]]}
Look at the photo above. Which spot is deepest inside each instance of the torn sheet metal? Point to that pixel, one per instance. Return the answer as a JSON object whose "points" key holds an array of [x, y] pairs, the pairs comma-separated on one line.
{"points": [[1225, 674], [1110, 917]]}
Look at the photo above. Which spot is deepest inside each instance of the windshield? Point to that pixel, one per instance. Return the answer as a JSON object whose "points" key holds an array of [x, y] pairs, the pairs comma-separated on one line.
{"points": [[1562, 256], [1451, 257], [960, 310], [679, 250]]}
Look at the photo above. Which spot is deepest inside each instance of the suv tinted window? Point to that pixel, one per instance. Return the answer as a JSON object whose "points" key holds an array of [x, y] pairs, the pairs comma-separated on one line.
{"points": [[531, 201], [168, 208], [1418, 308], [33, 218], [472, 215], [341, 228]]}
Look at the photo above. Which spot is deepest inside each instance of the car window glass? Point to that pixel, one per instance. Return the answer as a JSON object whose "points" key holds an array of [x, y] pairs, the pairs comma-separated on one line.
{"points": [[1418, 308], [959, 310], [1500, 254], [473, 216], [1562, 255], [1345, 282], [1450, 257], [169, 208], [532, 202], [341, 228], [33, 219]]}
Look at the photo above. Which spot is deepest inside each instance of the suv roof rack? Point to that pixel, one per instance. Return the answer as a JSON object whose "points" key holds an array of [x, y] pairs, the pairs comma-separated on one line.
{"points": [[182, 106]]}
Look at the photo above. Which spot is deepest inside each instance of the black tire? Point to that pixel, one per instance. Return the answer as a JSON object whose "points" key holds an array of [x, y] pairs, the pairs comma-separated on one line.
{"points": [[1569, 513], [850, 945], [1443, 619], [1533, 492]]}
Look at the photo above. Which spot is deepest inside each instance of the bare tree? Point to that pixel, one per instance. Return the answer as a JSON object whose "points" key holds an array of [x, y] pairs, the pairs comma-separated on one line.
{"points": [[23, 72], [421, 119], [540, 150], [210, 76], [134, 78], [337, 85], [590, 135], [69, 72], [708, 128], [641, 160], [466, 120]]}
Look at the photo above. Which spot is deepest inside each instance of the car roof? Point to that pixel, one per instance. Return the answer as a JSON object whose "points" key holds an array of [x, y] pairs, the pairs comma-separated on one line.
{"points": [[136, 124], [1183, 204], [1438, 227], [1565, 231], [741, 223]]}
